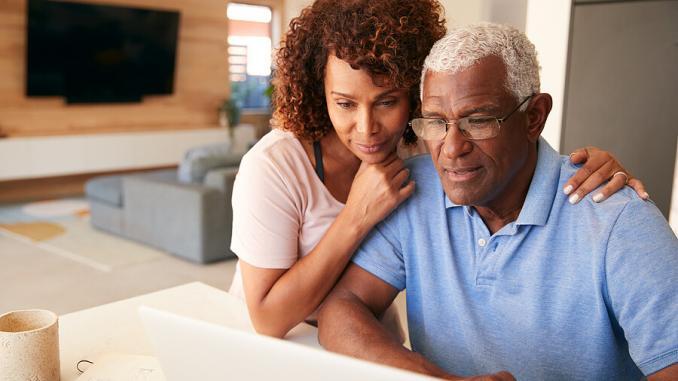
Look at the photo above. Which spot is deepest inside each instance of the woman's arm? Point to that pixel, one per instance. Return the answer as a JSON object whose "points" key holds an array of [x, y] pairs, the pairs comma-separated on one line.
{"points": [[279, 299], [598, 167]]}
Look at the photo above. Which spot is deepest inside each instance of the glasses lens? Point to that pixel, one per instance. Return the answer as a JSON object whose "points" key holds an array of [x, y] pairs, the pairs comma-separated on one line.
{"points": [[429, 129], [479, 128]]}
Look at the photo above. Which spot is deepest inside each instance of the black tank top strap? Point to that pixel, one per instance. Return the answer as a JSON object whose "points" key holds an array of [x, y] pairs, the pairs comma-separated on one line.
{"points": [[318, 153]]}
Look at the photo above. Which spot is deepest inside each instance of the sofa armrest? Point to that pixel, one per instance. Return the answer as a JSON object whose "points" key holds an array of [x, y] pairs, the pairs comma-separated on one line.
{"points": [[222, 179], [188, 220]]}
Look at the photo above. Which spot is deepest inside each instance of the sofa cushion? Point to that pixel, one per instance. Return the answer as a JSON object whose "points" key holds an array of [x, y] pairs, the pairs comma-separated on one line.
{"points": [[106, 189], [164, 175], [200, 160]]}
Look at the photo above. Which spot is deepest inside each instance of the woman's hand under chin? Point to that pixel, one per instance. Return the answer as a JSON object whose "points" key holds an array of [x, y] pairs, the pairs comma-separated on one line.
{"points": [[377, 190]]}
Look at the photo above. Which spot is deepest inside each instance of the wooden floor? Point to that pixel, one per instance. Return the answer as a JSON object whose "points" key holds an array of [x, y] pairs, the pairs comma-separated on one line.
{"points": [[52, 187], [34, 277]]}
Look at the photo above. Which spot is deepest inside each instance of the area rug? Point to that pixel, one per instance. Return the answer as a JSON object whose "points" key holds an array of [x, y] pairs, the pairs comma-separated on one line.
{"points": [[62, 228]]}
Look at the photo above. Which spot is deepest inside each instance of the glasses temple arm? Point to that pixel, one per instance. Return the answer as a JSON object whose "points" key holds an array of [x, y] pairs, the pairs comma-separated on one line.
{"points": [[501, 120]]}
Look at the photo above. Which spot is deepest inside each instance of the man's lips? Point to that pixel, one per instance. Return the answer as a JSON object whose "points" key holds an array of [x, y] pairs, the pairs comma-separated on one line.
{"points": [[462, 173]]}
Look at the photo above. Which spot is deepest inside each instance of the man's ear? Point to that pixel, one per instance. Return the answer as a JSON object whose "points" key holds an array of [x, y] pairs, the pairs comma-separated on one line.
{"points": [[537, 112]]}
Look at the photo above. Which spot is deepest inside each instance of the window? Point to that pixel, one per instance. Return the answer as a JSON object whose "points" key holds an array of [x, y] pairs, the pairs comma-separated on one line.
{"points": [[249, 51]]}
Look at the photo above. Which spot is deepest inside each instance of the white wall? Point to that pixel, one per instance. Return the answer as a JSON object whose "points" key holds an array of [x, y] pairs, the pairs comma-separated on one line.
{"points": [[456, 11], [22, 158], [463, 11], [548, 27], [502, 11], [673, 214], [291, 9]]}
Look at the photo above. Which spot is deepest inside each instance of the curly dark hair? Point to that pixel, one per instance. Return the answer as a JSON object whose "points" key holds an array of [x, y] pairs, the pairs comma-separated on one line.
{"points": [[387, 38]]}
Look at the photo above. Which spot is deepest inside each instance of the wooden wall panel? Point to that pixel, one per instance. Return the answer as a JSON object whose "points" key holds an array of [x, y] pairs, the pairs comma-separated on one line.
{"points": [[201, 78]]}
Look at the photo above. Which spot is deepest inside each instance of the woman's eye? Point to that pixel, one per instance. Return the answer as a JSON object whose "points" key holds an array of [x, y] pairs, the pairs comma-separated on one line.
{"points": [[345, 105], [387, 103]]}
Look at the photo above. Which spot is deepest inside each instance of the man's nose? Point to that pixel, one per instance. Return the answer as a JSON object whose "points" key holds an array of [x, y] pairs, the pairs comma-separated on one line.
{"points": [[366, 123], [455, 143]]}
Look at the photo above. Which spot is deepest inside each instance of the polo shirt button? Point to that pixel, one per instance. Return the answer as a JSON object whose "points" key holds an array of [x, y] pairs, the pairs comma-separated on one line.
{"points": [[482, 242]]}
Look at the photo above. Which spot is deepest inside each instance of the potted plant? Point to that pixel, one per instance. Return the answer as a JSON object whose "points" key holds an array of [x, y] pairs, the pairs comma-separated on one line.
{"points": [[229, 113]]}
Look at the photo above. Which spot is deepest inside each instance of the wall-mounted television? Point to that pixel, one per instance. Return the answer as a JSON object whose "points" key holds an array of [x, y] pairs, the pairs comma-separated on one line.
{"points": [[92, 53]]}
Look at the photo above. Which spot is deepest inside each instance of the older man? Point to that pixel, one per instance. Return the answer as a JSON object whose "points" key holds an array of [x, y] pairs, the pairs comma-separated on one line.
{"points": [[501, 272]]}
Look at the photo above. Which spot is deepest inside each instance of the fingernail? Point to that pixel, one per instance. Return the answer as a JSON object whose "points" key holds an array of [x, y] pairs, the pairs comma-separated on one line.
{"points": [[598, 197], [574, 198], [646, 196], [567, 189]]}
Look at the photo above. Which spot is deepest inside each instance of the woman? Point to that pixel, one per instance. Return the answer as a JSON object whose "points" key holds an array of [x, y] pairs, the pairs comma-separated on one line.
{"points": [[307, 194]]}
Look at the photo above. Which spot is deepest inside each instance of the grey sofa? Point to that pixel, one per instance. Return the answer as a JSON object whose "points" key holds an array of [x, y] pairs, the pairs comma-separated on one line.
{"points": [[191, 220]]}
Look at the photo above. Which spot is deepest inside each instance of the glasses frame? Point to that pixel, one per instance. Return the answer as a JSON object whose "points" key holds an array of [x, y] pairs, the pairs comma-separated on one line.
{"points": [[501, 120]]}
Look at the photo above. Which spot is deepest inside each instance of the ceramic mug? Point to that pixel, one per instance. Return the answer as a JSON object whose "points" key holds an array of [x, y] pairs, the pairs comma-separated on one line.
{"points": [[29, 346]]}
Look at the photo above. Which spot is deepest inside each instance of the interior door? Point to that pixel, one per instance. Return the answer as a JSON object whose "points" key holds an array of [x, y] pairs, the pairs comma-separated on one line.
{"points": [[622, 87]]}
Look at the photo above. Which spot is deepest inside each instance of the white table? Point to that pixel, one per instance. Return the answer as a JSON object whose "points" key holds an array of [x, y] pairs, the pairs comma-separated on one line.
{"points": [[117, 328]]}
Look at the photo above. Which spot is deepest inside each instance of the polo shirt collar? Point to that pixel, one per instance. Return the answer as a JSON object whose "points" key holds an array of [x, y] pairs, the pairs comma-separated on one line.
{"points": [[544, 187], [542, 191], [450, 204]]}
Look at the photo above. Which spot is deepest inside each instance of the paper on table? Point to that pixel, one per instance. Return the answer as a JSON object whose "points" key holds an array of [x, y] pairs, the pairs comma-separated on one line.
{"points": [[123, 367]]}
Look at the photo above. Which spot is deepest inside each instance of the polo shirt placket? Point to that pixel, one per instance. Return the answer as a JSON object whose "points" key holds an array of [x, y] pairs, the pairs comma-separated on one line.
{"points": [[487, 248]]}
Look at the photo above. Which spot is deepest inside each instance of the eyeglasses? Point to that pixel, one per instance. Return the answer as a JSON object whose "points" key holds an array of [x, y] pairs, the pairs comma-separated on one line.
{"points": [[471, 127]]}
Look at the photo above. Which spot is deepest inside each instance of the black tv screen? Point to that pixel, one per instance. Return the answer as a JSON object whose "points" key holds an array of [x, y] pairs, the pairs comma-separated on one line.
{"points": [[94, 53]]}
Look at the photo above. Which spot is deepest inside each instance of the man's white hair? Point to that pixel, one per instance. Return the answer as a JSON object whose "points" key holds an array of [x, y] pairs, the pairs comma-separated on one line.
{"points": [[464, 45]]}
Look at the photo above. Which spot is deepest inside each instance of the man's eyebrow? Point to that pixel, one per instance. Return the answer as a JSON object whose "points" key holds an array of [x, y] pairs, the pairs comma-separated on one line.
{"points": [[490, 108], [434, 111], [431, 114]]}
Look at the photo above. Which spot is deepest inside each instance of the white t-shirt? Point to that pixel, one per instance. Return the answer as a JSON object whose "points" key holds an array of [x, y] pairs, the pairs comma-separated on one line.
{"points": [[281, 209]]}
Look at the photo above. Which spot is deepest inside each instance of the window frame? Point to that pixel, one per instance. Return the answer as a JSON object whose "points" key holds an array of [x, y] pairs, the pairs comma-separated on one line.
{"points": [[277, 10]]}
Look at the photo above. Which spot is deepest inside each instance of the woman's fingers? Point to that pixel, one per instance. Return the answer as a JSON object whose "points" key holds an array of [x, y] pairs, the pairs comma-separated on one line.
{"points": [[579, 155], [616, 183], [592, 179], [404, 187], [393, 161], [593, 159], [575, 181], [639, 187], [599, 166], [401, 178], [406, 191]]}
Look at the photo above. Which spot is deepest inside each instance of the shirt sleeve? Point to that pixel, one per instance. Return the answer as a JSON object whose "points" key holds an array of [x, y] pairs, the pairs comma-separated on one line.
{"points": [[642, 284], [266, 218], [381, 253]]}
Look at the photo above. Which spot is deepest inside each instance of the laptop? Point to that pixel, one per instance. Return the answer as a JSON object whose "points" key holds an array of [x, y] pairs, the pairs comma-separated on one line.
{"points": [[190, 349]]}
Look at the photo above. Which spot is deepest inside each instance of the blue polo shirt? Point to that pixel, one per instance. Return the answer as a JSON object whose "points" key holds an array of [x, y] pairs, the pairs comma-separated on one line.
{"points": [[565, 292]]}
